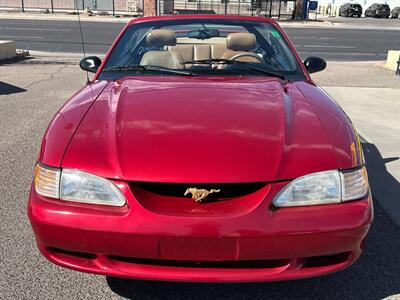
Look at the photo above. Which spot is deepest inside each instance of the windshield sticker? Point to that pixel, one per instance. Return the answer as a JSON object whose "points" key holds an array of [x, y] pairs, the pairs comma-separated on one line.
{"points": [[275, 34]]}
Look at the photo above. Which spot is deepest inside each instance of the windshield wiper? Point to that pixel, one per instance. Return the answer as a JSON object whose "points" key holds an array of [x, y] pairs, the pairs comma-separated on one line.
{"points": [[147, 68], [236, 62]]}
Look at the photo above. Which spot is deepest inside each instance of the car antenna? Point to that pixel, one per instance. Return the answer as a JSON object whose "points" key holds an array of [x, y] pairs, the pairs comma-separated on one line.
{"points": [[83, 44]]}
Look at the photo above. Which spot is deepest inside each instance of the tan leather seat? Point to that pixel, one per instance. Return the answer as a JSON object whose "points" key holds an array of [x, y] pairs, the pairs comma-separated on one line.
{"points": [[240, 43], [236, 44], [190, 52], [158, 39]]}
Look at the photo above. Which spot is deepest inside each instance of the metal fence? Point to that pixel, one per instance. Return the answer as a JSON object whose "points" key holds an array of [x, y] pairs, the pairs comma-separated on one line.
{"points": [[132, 7], [280, 9]]}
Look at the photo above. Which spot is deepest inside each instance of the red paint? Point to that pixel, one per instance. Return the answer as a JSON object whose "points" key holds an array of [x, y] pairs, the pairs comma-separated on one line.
{"points": [[200, 130], [241, 130], [290, 234], [65, 122]]}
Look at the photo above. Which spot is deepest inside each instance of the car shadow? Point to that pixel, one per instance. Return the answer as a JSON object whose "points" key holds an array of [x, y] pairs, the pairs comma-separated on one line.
{"points": [[14, 60], [8, 89], [385, 187], [374, 276]]}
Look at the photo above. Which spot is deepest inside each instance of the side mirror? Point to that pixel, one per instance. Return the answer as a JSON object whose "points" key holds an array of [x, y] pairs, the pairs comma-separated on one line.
{"points": [[314, 64], [90, 64]]}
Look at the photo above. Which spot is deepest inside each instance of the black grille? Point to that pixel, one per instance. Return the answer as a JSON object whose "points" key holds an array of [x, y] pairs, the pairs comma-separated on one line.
{"points": [[240, 264], [227, 190]]}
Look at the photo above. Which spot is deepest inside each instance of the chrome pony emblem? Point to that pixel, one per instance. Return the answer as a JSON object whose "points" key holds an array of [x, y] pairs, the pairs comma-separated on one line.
{"points": [[199, 194]]}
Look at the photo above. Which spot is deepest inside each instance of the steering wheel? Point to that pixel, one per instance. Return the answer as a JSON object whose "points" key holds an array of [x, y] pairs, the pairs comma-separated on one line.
{"points": [[240, 55]]}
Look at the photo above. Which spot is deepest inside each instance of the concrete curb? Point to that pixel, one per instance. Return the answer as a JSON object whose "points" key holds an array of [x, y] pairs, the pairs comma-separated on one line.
{"points": [[85, 18], [364, 27], [323, 22], [7, 50], [45, 54], [392, 58], [124, 20], [63, 17]]}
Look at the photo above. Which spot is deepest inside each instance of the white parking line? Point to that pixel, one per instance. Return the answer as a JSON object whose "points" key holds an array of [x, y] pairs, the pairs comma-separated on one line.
{"points": [[328, 46], [34, 29], [344, 54], [324, 38], [21, 37]]}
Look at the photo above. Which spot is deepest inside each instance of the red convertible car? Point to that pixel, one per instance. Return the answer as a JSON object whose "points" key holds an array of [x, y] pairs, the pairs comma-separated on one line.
{"points": [[201, 151]]}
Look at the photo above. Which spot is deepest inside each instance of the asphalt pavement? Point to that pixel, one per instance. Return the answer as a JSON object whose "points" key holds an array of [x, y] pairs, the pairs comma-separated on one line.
{"points": [[363, 21], [334, 43], [27, 104]]}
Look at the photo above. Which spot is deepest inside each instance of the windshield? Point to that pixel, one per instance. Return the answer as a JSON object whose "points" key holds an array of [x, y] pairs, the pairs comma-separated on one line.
{"points": [[197, 47]]}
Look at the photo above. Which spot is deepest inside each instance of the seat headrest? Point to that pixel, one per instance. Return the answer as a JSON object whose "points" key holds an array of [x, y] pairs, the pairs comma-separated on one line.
{"points": [[240, 41], [161, 37]]}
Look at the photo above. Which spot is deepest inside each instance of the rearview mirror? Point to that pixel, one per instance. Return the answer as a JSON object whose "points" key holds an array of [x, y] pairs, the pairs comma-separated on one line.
{"points": [[90, 64], [203, 34], [314, 64]]}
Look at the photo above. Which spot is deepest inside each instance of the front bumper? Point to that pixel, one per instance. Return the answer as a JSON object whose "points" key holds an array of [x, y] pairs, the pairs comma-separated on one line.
{"points": [[260, 245]]}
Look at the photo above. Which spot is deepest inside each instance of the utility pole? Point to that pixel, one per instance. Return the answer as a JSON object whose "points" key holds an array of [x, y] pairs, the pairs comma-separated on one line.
{"points": [[297, 13], [301, 9]]}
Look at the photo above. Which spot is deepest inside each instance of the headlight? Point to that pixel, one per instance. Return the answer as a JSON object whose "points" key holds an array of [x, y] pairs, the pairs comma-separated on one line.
{"points": [[324, 188], [76, 186]]}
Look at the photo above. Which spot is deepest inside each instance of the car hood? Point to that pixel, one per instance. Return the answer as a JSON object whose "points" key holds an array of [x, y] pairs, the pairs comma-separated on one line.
{"points": [[199, 130]]}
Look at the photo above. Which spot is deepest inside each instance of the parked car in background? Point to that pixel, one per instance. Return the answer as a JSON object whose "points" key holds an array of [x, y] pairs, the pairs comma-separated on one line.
{"points": [[395, 14], [378, 11], [350, 10]]}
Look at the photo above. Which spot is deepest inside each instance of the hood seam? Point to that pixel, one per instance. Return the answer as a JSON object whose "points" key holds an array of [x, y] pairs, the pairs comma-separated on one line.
{"points": [[322, 124], [94, 99]]}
